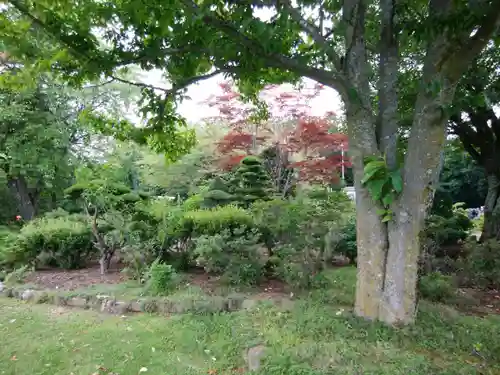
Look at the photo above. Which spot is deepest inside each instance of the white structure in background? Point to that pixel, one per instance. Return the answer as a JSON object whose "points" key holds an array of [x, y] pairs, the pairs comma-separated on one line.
{"points": [[351, 193]]}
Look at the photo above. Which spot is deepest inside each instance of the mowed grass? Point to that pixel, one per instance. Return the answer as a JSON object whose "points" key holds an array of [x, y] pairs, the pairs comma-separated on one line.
{"points": [[318, 336]]}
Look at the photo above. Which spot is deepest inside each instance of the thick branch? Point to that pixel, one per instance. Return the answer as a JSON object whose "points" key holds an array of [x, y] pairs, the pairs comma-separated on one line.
{"points": [[387, 84], [315, 32], [176, 87], [457, 62]]}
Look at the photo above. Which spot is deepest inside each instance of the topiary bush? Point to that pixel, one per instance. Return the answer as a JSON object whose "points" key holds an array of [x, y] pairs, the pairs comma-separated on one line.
{"points": [[216, 220], [63, 241], [217, 194], [250, 182], [237, 255]]}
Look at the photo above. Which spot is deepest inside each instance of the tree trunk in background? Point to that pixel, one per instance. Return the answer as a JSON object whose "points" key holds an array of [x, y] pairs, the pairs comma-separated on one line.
{"points": [[27, 201], [491, 227]]}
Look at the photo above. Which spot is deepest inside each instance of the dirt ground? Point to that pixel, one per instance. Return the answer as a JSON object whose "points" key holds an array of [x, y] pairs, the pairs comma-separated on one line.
{"points": [[80, 279]]}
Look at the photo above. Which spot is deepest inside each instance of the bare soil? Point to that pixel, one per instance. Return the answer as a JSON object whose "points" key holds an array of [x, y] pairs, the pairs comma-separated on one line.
{"points": [[57, 279], [74, 279]]}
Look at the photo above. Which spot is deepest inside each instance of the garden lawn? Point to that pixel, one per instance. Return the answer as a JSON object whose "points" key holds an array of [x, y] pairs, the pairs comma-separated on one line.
{"points": [[318, 336]]}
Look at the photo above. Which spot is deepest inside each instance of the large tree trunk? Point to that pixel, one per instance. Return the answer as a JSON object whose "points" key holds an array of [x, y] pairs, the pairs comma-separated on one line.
{"points": [[491, 227], [27, 200]]}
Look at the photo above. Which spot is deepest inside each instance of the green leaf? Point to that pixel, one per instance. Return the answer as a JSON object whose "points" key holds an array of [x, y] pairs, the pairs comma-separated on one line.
{"points": [[387, 218], [397, 181], [381, 212], [375, 187], [371, 169], [388, 199]]}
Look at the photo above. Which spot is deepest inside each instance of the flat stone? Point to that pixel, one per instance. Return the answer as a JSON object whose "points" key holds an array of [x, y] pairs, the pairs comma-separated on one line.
{"points": [[27, 294], [135, 306], [107, 305], [253, 357], [78, 302], [249, 304]]}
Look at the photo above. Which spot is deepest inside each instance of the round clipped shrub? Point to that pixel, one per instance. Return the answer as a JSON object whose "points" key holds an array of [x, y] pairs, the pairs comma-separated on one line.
{"points": [[64, 241], [213, 221]]}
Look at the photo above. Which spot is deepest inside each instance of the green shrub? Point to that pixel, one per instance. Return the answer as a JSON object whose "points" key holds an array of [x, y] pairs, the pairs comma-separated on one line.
{"points": [[437, 287], [216, 220], [299, 267], [250, 182], [445, 231], [161, 278], [64, 242], [237, 255], [347, 245], [218, 194], [481, 267], [300, 221], [194, 202]]}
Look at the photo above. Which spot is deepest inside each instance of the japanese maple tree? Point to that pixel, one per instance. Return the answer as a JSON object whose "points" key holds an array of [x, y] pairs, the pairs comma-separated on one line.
{"points": [[300, 141]]}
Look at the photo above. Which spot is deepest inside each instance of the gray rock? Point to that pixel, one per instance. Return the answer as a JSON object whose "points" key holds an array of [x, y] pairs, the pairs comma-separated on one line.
{"points": [[253, 357], [78, 302], [2, 287], [249, 304], [27, 295]]}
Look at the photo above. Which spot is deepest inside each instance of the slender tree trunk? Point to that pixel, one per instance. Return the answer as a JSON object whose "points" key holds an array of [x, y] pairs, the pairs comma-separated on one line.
{"points": [[491, 227], [26, 202]]}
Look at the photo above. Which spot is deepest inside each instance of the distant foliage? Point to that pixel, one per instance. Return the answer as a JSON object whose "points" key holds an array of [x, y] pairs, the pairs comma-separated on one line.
{"points": [[481, 267], [308, 146], [445, 231]]}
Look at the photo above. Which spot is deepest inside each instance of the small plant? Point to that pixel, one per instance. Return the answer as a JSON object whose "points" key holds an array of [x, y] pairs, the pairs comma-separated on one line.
{"points": [[437, 287], [384, 184], [161, 278], [18, 275]]}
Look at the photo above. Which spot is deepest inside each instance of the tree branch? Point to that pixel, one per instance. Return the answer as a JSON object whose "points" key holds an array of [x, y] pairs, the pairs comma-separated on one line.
{"points": [[456, 63], [331, 79], [315, 32]]}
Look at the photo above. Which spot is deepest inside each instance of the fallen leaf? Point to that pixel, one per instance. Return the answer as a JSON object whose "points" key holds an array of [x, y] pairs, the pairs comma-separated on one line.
{"points": [[12, 321], [143, 369], [13, 358], [212, 372]]}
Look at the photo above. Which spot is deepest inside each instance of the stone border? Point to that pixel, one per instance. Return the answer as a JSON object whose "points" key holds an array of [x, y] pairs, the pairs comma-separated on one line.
{"points": [[162, 306]]}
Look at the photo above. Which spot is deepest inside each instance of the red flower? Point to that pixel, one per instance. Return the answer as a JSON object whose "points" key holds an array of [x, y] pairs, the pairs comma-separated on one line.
{"points": [[18, 217]]}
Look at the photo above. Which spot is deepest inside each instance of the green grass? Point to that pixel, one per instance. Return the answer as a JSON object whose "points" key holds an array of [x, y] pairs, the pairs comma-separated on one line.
{"points": [[318, 336]]}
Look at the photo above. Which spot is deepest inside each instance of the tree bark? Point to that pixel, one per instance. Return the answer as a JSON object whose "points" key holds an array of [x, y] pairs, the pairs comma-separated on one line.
{"points": [[27, 201], [491, 227]]}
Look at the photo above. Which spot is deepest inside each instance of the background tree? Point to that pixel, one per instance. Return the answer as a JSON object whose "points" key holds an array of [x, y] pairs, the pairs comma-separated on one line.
{"points": [[477, 125], [360, 52], [295, 145]]}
